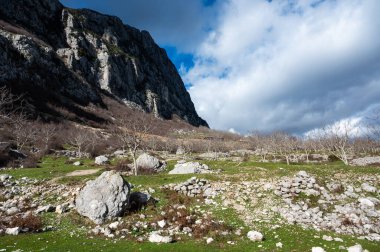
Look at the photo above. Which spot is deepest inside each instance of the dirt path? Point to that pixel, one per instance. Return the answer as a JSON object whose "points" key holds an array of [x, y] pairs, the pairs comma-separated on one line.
{"points": [[82, 172], [77, 173]]}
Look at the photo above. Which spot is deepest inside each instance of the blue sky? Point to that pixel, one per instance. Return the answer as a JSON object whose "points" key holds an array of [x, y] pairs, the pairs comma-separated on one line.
{"points": [[293, 65]]}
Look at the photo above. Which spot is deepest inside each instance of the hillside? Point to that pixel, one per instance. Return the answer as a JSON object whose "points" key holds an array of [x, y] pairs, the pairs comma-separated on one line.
{"points": [[68, 59]]}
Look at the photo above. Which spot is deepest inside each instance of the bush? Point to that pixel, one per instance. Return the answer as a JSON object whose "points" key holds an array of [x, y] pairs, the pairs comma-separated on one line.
{"points": [[122, 165], [32, 222], [31, 161]]}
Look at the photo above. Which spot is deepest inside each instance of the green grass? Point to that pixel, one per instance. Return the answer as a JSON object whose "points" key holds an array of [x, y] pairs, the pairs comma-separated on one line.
{"points": [[51, 167], [70, 236]]}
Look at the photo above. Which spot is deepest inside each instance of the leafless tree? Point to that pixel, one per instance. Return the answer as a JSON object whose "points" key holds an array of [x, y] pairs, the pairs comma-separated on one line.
{"points": [[308, 145], [79, 139], [260, 143], [46, 133], [131, 134], [283, 144], [7, 108], [337, 140], [24, 132], [373, 129]]}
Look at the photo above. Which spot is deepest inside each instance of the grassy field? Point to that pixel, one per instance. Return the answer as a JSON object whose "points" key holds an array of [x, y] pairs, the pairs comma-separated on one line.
{"points": [[71, 235]]}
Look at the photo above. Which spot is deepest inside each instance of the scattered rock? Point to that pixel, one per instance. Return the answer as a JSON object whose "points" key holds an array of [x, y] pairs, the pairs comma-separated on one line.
{"points": [[77, 163], [13, 231], [60, 209], [209, 240], [101, 160], [327, 238], [155, 237], [355, 248], [255, 236], [279, 244], [368, 188], [365, 161], [161, 223], [192, 187], [103, 198], [366, 203], [4, 177], [46, 209], [317, 249], [114, 225]]}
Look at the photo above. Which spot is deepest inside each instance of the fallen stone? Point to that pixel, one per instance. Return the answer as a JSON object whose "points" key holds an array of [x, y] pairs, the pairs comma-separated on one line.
{"points": [[255, 236], [103, 198], [114, 225], [368, 188], [161, 223], [101, 160], [155, 237], [13, 231], [355, 248], [317, 249]]}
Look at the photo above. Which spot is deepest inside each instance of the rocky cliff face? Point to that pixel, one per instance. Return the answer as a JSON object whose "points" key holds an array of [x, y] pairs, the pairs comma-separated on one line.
{"points": [[74, 55]]}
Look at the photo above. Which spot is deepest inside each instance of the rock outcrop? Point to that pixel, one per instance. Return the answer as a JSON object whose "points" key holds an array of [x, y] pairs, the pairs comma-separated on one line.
{"points": [[103, 198], [73, 56]]}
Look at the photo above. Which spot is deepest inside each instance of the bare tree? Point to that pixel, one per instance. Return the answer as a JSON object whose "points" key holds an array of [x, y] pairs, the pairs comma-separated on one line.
{"points": [[260, 143], [283, 144], [7, 101], [131, 134], [337, 140], [46, 133], [373, 130], [24, 132], [79, 139], [308, 144]]}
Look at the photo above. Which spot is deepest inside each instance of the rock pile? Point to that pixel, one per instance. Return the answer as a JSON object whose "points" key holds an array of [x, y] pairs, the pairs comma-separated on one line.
{"points": [[25, 196], [190, 167], [366, 161], [192, 187], [341, 207]]}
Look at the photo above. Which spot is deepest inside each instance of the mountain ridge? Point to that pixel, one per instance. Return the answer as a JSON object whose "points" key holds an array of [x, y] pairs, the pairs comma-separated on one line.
{"points": [[74, 55]]}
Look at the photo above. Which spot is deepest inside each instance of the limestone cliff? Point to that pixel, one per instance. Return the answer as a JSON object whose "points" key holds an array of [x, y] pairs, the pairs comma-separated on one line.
{"points": [[74, 55]]}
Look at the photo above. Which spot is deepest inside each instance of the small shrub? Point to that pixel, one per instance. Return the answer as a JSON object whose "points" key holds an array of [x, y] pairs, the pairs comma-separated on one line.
{"points": [[145, 171], [31, 161], [32, 222], [122, 165]]}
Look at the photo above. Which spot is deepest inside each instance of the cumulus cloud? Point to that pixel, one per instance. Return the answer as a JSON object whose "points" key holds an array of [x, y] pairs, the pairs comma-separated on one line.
{"points": [[287, 65]]}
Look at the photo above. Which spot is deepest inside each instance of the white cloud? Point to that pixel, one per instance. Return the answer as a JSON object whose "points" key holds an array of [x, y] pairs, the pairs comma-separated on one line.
{"points": [[272, 65]]}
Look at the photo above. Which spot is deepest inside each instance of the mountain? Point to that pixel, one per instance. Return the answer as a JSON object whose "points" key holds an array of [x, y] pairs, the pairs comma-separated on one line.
{"points": [[70, 58]]}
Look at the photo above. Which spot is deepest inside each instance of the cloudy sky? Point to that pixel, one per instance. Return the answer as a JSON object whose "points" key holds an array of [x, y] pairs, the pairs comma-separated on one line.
{"points": [[266, 65]]}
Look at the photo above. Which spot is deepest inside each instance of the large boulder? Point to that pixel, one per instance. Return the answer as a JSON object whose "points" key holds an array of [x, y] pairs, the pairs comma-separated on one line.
{"points": [[147, 161], [103, 198], [190, 167]]}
